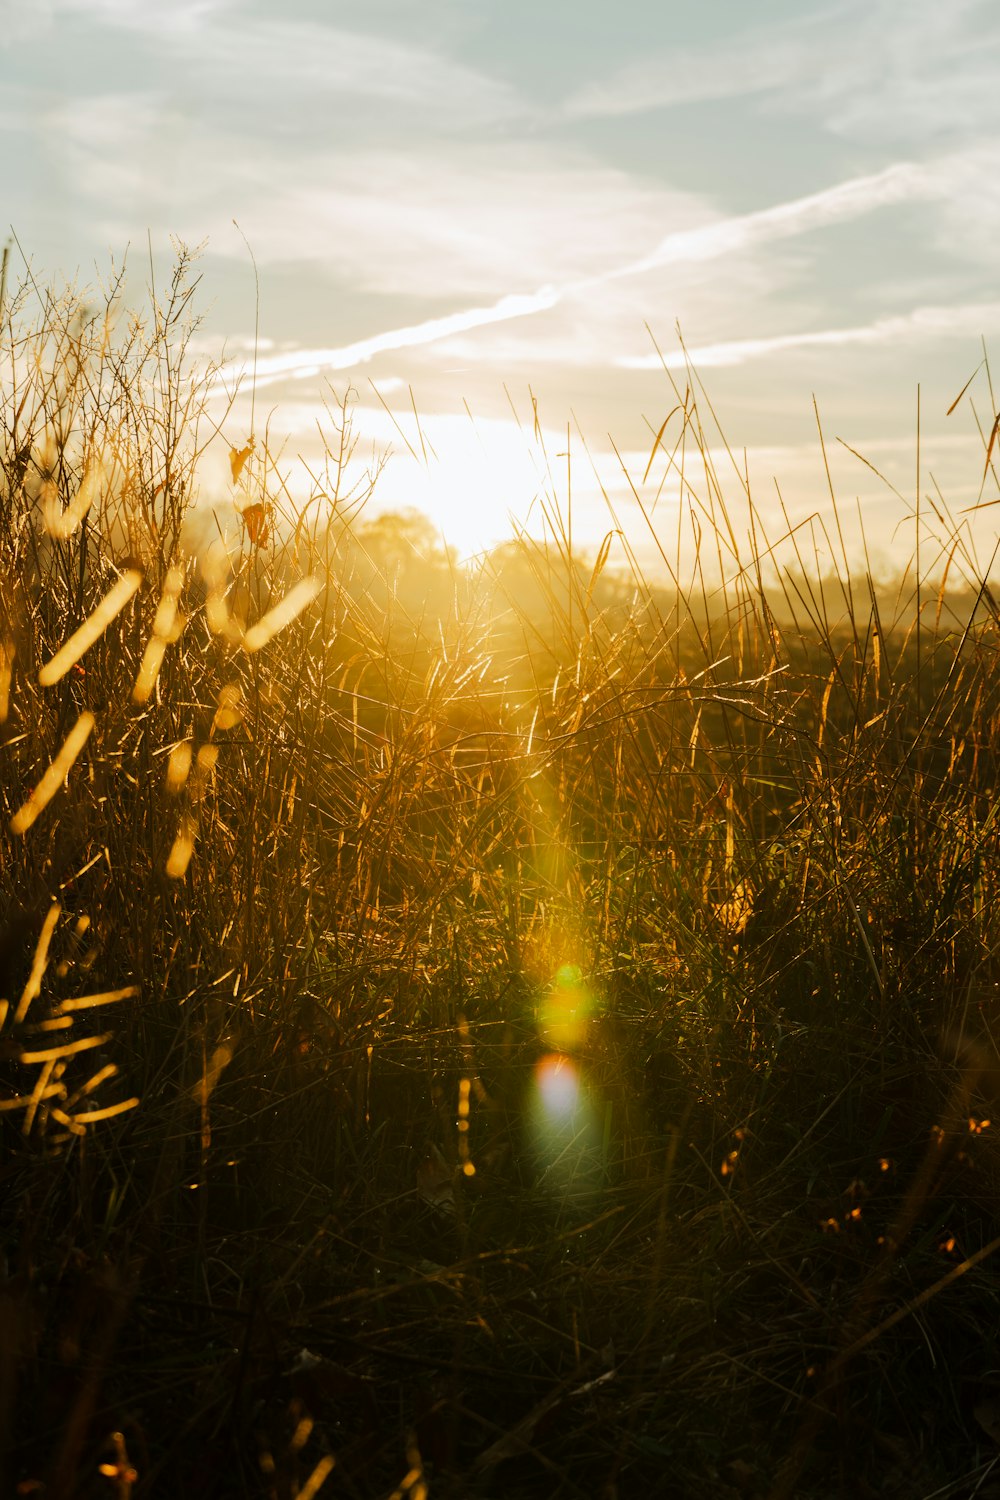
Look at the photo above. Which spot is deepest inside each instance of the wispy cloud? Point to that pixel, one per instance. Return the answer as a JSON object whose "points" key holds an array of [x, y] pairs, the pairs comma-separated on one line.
{"points": [[180, 19], [435, 221], [347, 63], [19, 23], [923, 322], [750, 65], [929, 80], [850, 65], [258, 65], [458, 220], [968, 227], [846, 200]]}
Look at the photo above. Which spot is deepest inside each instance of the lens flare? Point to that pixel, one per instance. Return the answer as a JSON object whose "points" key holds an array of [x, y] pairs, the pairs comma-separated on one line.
{"points": [[558, 1084], [564, 1135], [566, 1011]]}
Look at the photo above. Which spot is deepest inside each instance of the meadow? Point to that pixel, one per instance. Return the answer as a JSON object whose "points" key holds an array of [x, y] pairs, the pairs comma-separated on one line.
{"points": [[514, 1029]]}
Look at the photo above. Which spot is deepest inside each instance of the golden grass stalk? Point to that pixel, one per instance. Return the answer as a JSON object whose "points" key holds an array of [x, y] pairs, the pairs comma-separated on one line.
{"points": [[110, 1070], [167, 627], [182, 849], [92, 1116], [39, 962], [178, 766], [317, 1478], [54, 777], [23, 1101], [295, 601], [92, 628], [228, 714], [107, 997], [62, 523], [7, 652], [67, 1049]]}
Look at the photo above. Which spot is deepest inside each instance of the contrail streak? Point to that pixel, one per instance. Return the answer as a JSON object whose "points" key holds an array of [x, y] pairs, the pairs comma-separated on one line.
{"points": [[899, 183], [938, 322]]}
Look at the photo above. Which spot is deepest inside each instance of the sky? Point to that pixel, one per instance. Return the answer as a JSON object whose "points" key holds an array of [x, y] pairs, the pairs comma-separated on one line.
{"points": [[494, 223]]}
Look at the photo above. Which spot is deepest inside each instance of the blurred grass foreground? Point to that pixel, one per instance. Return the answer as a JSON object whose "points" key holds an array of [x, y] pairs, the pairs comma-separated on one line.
{"points": [[515, 1029]]}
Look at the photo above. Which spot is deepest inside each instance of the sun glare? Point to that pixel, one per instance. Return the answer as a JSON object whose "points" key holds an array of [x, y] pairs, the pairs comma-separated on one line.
{"points": [[478, 483]]}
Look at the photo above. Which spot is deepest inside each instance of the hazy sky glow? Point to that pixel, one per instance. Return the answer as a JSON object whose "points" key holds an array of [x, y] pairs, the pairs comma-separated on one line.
{"points": [[487, 204]]}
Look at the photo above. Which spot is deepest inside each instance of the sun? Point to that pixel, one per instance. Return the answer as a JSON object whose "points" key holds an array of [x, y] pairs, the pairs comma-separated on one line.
{"points": [[479, 483]]}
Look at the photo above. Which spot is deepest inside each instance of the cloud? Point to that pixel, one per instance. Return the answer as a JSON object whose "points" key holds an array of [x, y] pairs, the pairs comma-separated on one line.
{"points": [[272, 68], [342, 64], [923, 322], [432, 220], [743, 232], [180, 19], [929, 80], [109, 149], [968, 227], [853, 66], [750, 66], [21, 23], [439, 221]]}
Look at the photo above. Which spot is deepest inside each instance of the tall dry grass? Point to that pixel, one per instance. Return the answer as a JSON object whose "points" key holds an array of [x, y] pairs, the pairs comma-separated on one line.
{"points": [[326, 863]]}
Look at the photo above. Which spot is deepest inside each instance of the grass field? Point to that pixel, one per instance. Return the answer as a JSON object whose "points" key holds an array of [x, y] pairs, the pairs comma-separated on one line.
{"points": [[518, 1030]]}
